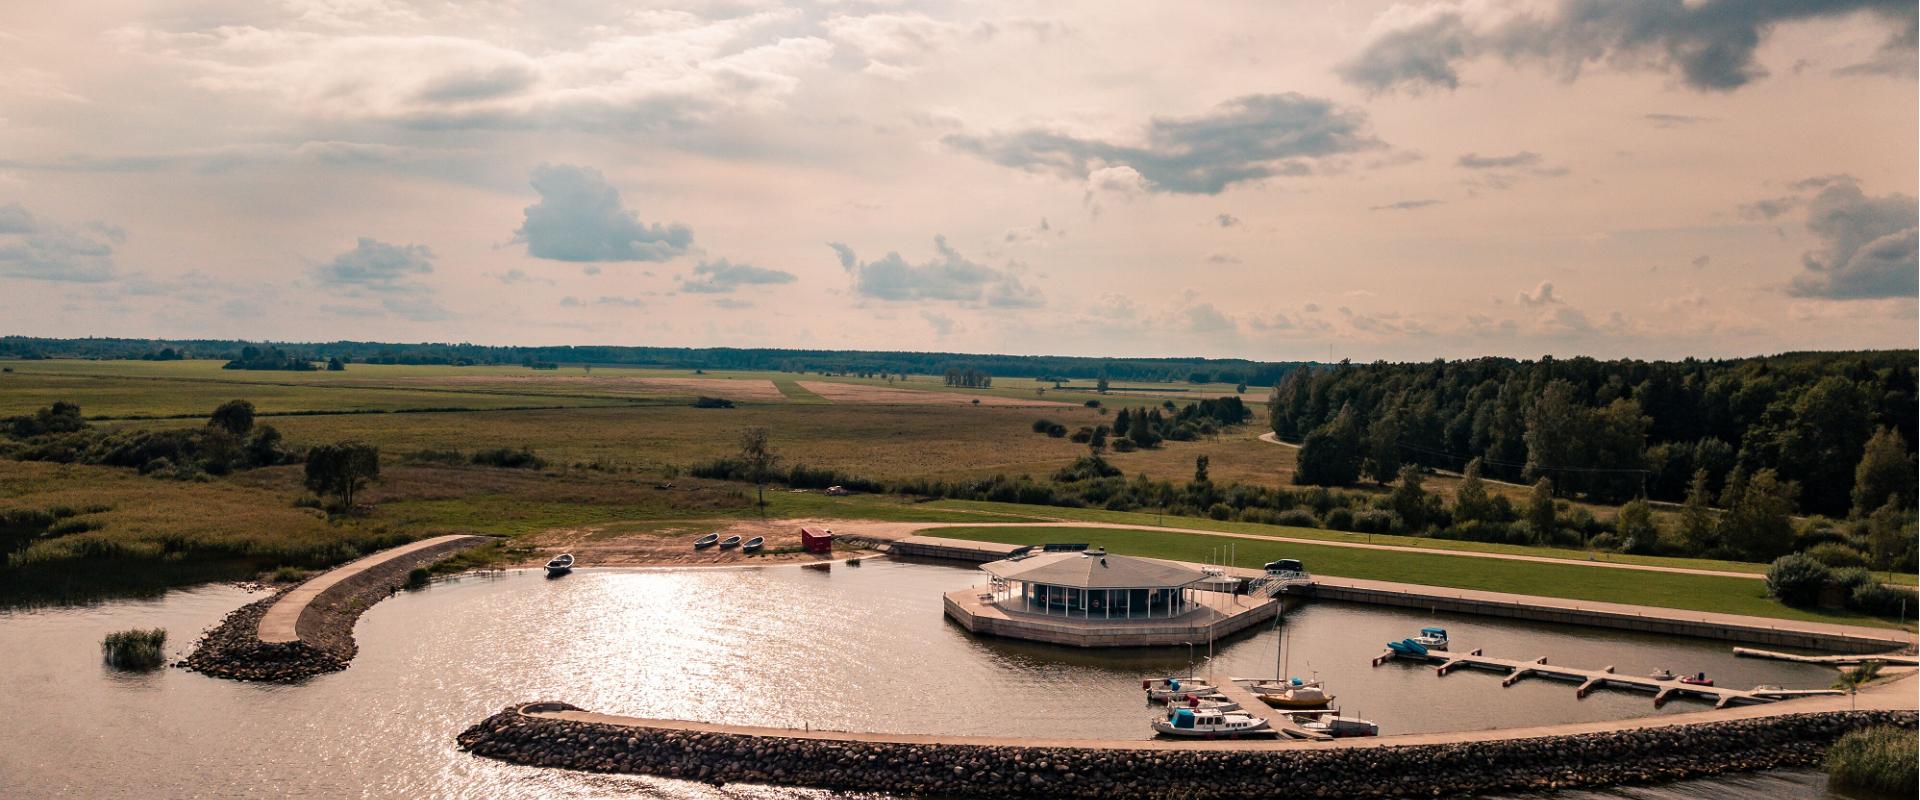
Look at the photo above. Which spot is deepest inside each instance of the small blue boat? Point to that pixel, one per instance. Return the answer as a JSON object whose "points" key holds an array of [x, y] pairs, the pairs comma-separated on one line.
{"points": [[1408, 647]]}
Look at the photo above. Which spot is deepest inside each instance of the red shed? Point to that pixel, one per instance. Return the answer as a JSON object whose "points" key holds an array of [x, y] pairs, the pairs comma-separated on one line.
{"points": [[816, 540]]}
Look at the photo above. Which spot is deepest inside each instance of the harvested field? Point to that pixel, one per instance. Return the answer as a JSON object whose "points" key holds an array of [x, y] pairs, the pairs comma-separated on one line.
{"points": [[887, 396], [730, 388]]}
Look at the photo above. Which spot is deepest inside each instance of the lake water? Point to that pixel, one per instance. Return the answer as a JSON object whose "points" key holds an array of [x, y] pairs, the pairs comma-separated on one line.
{"points": [[857, 648]]}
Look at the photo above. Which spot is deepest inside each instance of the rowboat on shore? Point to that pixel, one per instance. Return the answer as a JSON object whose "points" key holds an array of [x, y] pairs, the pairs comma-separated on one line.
{"points": [[753, 545], [560, 565], [731, 541], [706, 541]]}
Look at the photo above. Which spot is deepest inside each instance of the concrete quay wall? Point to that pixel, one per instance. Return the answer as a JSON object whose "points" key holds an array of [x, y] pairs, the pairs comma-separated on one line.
{"points": [[1755, 630]]}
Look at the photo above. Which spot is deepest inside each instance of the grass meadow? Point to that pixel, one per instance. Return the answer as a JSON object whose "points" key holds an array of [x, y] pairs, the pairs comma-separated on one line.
{"points": [[610, 436]]}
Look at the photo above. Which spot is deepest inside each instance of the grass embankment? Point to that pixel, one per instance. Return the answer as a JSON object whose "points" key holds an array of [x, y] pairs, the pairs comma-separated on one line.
{"points": [[135, 649], [1880, 761], [1419, 542], [1724, 595]]}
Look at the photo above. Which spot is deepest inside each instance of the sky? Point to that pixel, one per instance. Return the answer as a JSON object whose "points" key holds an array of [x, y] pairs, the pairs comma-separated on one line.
{"points": [[1266, 180]]}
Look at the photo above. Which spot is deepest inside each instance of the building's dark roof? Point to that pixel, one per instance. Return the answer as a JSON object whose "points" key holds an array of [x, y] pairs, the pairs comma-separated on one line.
{"points": [[1095, 571]]}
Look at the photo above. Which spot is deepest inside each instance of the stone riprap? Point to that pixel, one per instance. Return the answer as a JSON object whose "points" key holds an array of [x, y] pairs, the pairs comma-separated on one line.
{"points": [[234, 649], [1611, 758]]}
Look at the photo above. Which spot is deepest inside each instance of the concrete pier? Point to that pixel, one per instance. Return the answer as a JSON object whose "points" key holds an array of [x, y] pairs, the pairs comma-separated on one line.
{"points": [[1591, 679], [952, 549], [1234, 690]]}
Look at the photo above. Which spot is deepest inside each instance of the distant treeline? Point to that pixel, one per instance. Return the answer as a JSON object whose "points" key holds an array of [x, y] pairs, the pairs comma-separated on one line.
{"points": [[1199, 370], [1614, 430]]}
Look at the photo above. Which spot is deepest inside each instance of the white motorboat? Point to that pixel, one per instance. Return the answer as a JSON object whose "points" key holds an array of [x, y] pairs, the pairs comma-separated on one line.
{"points": [[1210, 702], [1432, 638], [1168, 689], [1203, 723], [560, 565], [1340, 727]]}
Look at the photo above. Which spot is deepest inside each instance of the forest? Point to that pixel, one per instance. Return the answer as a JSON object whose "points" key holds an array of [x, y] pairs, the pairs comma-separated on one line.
{"points": [[1836, 431]]}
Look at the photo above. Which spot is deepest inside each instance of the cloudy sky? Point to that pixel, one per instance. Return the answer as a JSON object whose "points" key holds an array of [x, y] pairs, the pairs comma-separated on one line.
{"points": [[1273, 180]]}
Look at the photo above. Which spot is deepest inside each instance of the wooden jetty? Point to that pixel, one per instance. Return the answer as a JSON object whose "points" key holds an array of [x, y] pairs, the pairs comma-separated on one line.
{"points": [[1889, 659], [1591, 679], [1232, 689]]}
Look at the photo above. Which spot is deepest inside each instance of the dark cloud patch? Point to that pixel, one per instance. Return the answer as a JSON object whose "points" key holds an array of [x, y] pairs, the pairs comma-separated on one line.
{"points": [[376, 266], [1674, 120], [1245, 139], [36, 249], [723, 276], [1521, 159], [1708, 44], [948, 276], [386, 273], [580, 217], [1407, 205], [1868, 245]]}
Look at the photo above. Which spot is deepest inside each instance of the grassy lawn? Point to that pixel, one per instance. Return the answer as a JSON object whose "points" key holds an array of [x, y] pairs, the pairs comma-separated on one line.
{"points": [[1665, 590], [1257, 529]]}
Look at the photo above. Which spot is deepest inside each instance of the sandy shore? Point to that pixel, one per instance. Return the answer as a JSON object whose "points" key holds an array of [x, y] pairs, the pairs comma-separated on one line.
{"points": [[595, 547]]}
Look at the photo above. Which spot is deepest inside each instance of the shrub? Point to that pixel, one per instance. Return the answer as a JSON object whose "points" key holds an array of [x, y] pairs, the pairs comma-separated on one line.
{"points": [[288, 574], [509, 458], [1797, 579], [1376, 521], [1879, 600], [1849, 579], [136, 649], [447, 456], [1297, 517], [1220, 511], [1057, 430], [1340, 519], [419, 578], [1880, 760], [1042, 425], [1836, 555], [1082, 435], [1122, 445], [704, 401]]}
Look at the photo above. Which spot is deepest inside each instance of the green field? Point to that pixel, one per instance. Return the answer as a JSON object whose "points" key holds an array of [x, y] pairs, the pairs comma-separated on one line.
{"points": [[609, 435], [1571, 581]]}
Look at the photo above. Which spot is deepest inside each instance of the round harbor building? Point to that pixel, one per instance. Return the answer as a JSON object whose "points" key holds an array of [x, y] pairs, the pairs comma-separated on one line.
{"points": [[1090, 598]]}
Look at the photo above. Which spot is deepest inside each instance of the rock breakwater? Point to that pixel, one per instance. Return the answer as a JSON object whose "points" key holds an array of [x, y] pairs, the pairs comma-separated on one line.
{"points": [[1634, 756], [234, 649]]}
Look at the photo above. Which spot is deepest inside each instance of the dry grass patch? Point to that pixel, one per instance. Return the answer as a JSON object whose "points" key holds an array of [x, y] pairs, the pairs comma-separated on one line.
{"points": [[887, 395]]}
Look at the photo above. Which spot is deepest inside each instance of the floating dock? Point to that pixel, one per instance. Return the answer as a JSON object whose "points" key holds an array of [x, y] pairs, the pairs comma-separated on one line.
{"points": [[1251, 703], [1591, 679]]}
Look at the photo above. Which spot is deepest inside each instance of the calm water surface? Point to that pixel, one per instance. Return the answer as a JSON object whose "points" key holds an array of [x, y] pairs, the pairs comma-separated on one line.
{"points": [[861, 648]]}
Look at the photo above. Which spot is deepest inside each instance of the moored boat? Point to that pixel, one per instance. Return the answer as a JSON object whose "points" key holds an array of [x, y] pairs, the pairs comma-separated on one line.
{"points": [[1171, 689], [560, 565], [1700, 679], [1431, 638], [1662, 675], [1340, 727], [731, 541], [1206, 723], [1295, 693], [706, 541], [753, 545]]}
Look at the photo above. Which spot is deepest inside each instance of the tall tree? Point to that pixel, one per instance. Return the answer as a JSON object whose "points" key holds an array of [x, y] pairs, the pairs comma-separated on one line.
{"points": [[342, 469], [759, 458], [1822, 445], [1697, 529], [1885, 474], [1200, 469], [1542, 520], [1409, 499], [1759, 525], [1554, 435], [1470, 500], [1636, 528], [1383, 446], [1331, 454]]}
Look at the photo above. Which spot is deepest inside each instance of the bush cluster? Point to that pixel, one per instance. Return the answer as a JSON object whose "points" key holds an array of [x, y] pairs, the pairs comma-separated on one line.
{"points": [[137, 649]]}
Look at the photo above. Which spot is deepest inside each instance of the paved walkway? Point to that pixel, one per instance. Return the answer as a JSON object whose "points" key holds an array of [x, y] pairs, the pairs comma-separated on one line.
{"points": [[282, 620], [1894, 694]]}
